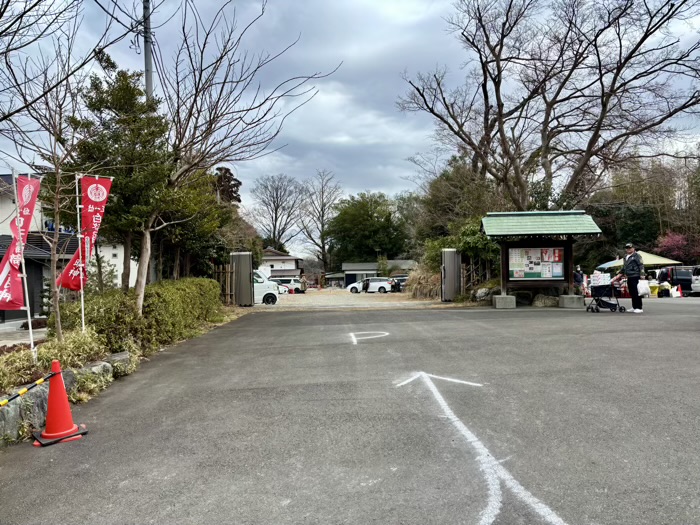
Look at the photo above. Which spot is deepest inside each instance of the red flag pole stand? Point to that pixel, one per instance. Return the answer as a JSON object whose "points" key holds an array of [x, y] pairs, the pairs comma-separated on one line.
{"points": [[59, 421]]}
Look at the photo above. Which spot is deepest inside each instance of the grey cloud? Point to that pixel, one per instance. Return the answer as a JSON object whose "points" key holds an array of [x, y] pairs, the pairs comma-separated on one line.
{"points": [[352, 127]]}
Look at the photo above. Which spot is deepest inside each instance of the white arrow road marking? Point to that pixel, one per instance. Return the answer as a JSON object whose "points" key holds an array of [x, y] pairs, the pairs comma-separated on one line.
{"points": [[421, 374], [493, 471], [367, 335]]}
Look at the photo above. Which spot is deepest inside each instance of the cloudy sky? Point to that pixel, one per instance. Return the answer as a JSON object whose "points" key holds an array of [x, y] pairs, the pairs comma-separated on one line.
{"points": [[352, 127]]}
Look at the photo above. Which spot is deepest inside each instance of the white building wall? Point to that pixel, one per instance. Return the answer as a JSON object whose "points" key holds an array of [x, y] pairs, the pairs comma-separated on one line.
{"points": [[114, 255], [8, 212], [279, 264]]}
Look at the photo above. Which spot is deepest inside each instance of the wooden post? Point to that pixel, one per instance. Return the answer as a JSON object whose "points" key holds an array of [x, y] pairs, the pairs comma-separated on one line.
{"points": [[569, 263], [504, 268]]}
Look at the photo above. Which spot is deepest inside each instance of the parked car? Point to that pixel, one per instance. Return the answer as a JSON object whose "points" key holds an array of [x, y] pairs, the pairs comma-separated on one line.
{"points": [[292, 283], [399, 282], [371, 284], [677, 276], [265, 291], [282, 289], [695, 283]]}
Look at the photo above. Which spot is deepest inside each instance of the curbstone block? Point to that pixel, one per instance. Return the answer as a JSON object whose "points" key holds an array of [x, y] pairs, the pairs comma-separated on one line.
{"points": [[504, 301], [571, 301]]}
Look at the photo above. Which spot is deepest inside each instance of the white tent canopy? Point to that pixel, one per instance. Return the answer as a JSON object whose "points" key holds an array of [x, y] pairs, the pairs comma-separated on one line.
{"points": [[649, 260]]}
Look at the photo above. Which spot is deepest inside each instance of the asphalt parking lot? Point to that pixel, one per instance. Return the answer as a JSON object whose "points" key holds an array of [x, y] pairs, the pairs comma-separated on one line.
{"points": [[408, 416]]}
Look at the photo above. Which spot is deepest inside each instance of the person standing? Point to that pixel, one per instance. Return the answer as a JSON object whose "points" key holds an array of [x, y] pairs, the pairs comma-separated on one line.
{"points": [[578, 280], [633, 269]]}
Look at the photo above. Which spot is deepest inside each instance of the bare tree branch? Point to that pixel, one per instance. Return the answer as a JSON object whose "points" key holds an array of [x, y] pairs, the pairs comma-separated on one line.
{"points": [[26, 24], [558, 94], [321, 193], [278, 207]]}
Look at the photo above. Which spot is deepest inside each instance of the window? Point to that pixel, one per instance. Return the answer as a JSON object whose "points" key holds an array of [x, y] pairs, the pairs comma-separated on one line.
{"points": [[114, 255], [114, 246], [272, 266]]}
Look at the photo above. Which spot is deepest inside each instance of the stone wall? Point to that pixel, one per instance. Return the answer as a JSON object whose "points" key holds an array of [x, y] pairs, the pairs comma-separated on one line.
{"points": [[19, 417]]}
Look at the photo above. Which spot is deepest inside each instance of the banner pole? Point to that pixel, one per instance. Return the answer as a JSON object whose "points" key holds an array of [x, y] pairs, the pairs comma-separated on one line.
{"points": [[24, 269], [83, 264]]}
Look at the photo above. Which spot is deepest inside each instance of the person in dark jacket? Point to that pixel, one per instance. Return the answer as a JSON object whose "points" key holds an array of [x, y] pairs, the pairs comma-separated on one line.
{"points": [[578, 280], [633, 269]]}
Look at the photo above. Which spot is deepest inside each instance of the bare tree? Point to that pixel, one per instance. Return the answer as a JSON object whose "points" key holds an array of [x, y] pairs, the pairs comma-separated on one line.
{"points": [[47, 136], [278, 206], [218, 109], [27, 24], [558, 93], [321, 194]]}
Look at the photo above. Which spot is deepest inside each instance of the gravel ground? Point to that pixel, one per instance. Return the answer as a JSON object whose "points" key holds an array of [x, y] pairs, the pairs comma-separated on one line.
{"points": [[341, 298]]}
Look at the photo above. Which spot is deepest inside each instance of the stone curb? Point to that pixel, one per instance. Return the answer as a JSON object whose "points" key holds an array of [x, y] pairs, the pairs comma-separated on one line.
{"points": [[30, 409]]}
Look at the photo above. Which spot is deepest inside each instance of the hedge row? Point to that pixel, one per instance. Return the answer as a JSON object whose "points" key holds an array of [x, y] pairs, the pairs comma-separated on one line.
{"points": [[172, 311]]}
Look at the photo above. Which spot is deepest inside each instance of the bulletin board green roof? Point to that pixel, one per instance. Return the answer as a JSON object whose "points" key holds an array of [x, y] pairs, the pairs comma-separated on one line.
{"points": [[539, 223]]}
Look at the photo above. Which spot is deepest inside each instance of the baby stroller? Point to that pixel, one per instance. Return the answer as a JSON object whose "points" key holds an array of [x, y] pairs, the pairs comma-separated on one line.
{"points": [[604, 296]]}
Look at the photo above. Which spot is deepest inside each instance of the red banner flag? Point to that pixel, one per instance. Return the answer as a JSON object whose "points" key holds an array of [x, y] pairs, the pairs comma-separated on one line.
{"points": [[11, 286], [94, 198]]}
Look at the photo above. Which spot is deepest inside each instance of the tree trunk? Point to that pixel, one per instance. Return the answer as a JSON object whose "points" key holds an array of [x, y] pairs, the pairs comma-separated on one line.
{"points": [[126, 268], [160, 260], [100, 273], [144, 263], [188, 264], [55, 295], [176, 264]]}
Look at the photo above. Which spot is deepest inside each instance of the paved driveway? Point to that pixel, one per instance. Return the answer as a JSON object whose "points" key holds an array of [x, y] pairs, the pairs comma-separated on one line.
{"points": [[519, 417]]}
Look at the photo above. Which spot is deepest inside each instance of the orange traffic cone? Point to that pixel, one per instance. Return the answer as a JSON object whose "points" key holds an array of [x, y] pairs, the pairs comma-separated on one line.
{"points": [[59, 421]]}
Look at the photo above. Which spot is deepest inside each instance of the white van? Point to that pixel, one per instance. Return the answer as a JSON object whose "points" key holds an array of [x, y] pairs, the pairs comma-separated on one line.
{"points": [[264, 290]]}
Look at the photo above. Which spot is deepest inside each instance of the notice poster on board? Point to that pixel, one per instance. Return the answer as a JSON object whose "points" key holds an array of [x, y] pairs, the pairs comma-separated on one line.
{"points": [[536, 263]]}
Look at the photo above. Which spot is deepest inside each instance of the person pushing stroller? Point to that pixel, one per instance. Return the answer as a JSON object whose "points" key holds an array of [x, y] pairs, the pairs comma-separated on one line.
{"points": [[633, 269]]}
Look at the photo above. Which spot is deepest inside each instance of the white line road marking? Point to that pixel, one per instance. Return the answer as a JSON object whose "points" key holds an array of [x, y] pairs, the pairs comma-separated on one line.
{"points": [[454, 380], [493, 471], [354, 336], [421, 374], [409, 380]]}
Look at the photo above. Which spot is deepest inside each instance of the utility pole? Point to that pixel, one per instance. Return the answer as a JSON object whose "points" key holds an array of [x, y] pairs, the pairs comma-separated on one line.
{"points": [[148, 48]]}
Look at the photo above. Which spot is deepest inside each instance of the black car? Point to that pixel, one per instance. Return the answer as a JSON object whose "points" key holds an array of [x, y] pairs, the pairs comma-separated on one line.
{"points": [[678, 276]]}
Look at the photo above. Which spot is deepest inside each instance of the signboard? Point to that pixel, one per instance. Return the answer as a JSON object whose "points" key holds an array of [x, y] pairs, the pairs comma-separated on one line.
{"points": [[532, 264]]}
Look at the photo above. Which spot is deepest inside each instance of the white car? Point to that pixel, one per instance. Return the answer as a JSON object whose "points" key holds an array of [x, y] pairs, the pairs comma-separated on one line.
{"points": [[292, 283], [695, 280], [374, 284]]}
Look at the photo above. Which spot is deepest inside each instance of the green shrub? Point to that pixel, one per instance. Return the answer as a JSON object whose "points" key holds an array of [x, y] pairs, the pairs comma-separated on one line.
{"points": [[124, 369], [89, 385], [77, 349], [172, 311], [16, 368], [176, 310], [112, 315]]}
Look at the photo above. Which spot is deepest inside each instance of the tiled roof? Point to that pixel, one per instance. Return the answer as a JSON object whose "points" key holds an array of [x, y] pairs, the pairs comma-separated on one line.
{"points": [[66, 247], [30, 252], [403, 264], [532, 223], [271, 253]]}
